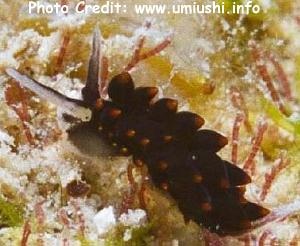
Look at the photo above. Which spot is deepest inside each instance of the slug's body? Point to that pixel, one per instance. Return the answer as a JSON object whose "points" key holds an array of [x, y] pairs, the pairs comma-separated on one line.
{"points": [[181, 159]]}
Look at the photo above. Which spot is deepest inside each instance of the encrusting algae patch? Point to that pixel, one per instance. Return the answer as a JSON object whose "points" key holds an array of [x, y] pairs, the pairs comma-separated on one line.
{"points": [[239, 72]]}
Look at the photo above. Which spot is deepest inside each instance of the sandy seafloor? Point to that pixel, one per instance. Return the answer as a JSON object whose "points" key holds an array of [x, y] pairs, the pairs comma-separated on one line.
{"points": [[211, 67]]}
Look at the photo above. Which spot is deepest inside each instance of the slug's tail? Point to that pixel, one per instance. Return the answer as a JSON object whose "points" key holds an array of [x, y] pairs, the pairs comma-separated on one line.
{"points": [[207, 189], [224, 212]]}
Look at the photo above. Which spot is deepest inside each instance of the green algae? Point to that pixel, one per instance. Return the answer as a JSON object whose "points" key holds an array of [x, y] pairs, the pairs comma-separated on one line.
{"points": [[11, 215]]}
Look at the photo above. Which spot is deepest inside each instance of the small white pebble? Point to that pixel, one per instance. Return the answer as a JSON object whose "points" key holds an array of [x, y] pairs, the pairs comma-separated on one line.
{"points": [[127, 235], [133, 217], [105, 220]]}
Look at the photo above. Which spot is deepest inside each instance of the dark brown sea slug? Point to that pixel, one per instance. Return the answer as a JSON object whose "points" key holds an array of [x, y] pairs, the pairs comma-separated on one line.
{"points": [[182, 160]]}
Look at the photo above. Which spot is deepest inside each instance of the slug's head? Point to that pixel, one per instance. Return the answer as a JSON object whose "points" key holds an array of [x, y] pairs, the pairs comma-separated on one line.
{"points": [[71, 110], [70, 107]]}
